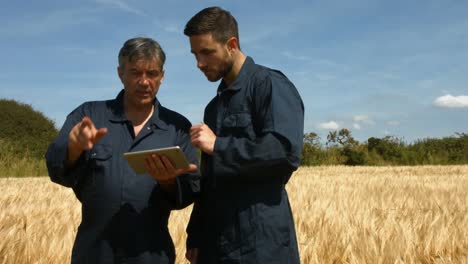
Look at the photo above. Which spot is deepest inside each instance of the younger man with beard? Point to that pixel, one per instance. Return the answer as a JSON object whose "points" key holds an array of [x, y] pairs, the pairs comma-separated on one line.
{"points": [[251, 143]]}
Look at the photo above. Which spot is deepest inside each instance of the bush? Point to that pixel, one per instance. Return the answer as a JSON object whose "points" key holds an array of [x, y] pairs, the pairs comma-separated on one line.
{"points": [[354, 156], [27, 131], [16, 166]]}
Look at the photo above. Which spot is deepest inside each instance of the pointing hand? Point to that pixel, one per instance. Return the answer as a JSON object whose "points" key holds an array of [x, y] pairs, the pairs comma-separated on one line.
{"points": [[83, 136]]}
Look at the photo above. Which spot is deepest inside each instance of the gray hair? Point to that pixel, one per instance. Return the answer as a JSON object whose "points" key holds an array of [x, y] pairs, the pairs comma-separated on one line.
{"points": [[141, 48]]}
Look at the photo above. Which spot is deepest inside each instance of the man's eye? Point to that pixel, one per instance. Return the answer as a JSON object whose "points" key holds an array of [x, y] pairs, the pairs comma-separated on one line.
{"points": [[153, 73]]}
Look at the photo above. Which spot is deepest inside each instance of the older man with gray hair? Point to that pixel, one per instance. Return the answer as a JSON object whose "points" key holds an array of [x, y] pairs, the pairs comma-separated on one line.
{"points": [[125, 215]]}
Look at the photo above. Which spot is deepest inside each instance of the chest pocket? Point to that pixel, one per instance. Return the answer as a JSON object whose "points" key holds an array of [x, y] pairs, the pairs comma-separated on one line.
{"points": [[98, 166], [99, 154], [100, 162], [238, 125]]}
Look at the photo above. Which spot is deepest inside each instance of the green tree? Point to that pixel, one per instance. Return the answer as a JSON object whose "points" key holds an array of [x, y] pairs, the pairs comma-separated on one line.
{"points": [[343, 143], [390, 148], [447, 150], [342, 137], [312, 153]]}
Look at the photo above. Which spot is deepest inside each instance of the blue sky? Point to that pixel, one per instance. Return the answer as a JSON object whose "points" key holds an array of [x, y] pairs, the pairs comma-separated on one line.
{"points": [[375, 67]]}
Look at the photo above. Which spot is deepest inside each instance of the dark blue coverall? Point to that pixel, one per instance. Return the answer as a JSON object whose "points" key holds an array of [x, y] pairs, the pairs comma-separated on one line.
{"points": [[124, 215], [243, 215]]}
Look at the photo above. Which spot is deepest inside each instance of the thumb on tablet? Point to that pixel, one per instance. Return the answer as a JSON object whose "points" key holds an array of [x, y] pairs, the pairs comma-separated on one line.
{"points": [[190, 168]]}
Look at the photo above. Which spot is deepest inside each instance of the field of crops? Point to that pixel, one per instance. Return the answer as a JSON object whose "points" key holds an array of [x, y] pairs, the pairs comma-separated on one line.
{"points": [[342, 214]]}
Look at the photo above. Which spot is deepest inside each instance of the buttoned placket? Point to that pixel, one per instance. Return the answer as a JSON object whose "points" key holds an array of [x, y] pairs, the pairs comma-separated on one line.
{"points": [[219, 110], [145, 132]]}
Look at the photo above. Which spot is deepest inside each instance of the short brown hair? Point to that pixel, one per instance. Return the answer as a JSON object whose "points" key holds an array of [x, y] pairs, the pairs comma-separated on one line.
{"points": [[214, 20]]}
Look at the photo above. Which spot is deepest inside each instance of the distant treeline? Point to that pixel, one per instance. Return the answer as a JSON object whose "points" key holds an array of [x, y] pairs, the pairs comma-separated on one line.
{"points": [[342, 149], [25, 134]]}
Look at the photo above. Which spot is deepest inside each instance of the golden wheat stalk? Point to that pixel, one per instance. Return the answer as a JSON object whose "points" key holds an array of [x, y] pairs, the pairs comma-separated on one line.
{"points": [[342, 214]]}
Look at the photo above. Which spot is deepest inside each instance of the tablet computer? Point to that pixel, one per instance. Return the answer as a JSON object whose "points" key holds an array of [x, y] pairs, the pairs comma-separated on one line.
{"points": [[136, 159]]}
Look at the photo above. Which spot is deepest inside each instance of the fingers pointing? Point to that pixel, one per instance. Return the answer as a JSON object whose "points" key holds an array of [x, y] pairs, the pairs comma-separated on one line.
{"points": [[99, 134]]}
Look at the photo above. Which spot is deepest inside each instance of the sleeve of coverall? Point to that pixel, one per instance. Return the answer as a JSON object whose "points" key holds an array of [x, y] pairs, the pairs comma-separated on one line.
{"points": [[278, 120], [57, 154]]}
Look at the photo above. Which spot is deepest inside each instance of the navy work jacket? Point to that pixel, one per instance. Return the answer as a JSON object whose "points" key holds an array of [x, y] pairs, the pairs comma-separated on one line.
{"points": [[243, 215], [124, 215]]}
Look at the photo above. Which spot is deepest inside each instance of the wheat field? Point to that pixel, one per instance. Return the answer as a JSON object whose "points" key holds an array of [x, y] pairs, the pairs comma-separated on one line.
{"points": [[342, 214]]}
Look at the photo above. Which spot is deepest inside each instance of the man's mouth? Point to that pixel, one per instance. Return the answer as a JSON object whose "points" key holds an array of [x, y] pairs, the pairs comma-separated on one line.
{"points": [[144, 93]]}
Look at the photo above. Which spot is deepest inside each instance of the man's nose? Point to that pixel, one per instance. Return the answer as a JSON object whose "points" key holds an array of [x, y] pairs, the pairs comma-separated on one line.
{"points": [[200, 62], [143, 80]]}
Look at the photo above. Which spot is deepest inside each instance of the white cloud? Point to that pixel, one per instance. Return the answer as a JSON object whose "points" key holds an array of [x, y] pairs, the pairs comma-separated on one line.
{"points": [[324, 77], [170, 27], [329, 125], [54, 21], [301, 73], [393, 123], [360, 118], [255, 37], [449, 101], [289, 55], [122, 5], [357, 126], [79, 50], [384, 75], [363, 119]]}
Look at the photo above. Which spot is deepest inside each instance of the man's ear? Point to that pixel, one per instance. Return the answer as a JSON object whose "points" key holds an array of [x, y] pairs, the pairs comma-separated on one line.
{"points": [[233, 43], [120, 72]]}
